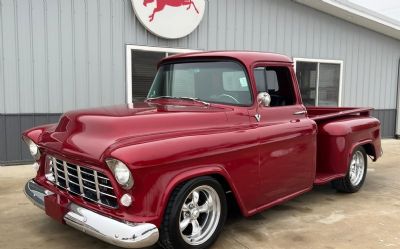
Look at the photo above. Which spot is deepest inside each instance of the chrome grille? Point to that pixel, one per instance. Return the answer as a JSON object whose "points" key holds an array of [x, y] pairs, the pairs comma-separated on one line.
{"points": [[87, 183]]}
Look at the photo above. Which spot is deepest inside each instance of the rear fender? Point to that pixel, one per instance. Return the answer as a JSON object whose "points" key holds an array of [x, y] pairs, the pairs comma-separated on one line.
{"points": [[354, 146], [337, 140]]}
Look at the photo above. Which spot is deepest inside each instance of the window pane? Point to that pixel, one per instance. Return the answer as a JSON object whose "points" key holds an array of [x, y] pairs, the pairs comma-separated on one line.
{"points": [[329, 78], [217, 82], [144, 69], [306, 73], [235, 81], [261, 80], [277, 82]]}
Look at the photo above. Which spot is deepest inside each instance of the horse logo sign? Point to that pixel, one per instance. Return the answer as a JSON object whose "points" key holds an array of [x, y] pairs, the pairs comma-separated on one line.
{"points": [[170, 19]]}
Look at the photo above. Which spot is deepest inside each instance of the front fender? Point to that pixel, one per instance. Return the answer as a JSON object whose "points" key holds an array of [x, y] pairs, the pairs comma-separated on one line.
{"points": [[35, 133], [158, 166], [194, 173]]}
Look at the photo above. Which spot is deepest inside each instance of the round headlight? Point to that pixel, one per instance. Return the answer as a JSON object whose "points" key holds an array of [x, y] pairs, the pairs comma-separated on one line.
{"points": [[121, 173], [33, 148]]}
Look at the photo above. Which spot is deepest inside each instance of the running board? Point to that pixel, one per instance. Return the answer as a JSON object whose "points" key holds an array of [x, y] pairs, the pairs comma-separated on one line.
{"points": [[323, 178]]}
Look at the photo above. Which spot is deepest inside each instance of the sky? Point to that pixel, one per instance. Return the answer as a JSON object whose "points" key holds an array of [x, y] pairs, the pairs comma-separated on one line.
{"points": [[390, 8]]}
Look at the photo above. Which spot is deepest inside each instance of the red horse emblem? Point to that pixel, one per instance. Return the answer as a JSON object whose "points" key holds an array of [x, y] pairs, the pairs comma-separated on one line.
{"points": [[174, 3]]}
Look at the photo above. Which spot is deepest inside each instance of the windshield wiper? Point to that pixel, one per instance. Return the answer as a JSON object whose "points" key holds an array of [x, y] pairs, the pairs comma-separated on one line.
{"points": [[197, 100]]}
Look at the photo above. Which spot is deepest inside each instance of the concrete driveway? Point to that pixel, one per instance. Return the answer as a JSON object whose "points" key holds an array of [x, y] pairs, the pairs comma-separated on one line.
{"points": [[319, 219]]}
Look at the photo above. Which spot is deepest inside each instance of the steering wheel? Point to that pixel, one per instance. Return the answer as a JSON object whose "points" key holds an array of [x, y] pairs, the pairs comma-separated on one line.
{"points": [[224, 95]]}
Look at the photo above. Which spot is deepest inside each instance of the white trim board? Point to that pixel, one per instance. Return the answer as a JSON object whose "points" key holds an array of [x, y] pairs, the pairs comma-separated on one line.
{"points": [[326, 61], [128, 56]]}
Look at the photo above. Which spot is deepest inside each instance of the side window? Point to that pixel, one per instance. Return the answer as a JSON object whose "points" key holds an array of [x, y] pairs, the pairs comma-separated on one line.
{"points": [[277, 82]]}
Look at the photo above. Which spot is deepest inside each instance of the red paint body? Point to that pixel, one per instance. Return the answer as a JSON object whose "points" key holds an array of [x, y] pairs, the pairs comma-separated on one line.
{"points": [[170, 141]]}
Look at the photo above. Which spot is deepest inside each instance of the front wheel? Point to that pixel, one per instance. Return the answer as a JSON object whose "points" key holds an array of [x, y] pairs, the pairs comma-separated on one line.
{"points": [[195, 215], [356, 174]]}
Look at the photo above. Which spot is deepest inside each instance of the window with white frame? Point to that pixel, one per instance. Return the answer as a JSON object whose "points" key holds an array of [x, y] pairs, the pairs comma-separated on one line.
{"points": [[320, 81], [141, 68]]}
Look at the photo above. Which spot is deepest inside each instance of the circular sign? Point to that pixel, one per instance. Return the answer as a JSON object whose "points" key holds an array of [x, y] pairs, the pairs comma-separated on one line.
{"points": [[170, 19]]}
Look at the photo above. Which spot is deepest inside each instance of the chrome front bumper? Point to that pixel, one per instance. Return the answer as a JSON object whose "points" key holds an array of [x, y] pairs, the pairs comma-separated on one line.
{"points": [[127, 235]]}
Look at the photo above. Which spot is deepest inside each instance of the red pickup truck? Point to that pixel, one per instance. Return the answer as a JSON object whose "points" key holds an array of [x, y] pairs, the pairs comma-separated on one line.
{"points": [[213, 124]]}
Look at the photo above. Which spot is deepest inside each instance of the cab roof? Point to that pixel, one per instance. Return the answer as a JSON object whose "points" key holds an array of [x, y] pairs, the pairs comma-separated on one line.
{"points": [[246, 57]]}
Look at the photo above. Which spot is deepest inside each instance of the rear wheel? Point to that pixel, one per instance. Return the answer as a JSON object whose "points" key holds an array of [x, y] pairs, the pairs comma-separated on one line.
{"points": [[356, 174], [195, 215]]}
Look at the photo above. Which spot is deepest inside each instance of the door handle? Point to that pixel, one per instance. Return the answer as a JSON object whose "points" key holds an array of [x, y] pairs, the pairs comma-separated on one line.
{"points": [[300, 112]]}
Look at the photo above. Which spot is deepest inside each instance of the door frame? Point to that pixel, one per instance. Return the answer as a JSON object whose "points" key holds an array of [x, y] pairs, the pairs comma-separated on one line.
{"points": [[128, 57]]}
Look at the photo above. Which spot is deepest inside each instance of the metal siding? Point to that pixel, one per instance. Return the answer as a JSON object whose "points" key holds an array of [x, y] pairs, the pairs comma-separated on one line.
{"points": [[12, 148], [388, 121], [230, 25], [221, 28], [272, 20], [3, 135], [212, 13], [80, 44], [61, 55], [2, 103], [39, 60], [13, 127], [106, 52], [93, 53], [398, 100], [54, 63], [26, 122], [68, 75], [10, 55], [25, 62], [119, 52]]}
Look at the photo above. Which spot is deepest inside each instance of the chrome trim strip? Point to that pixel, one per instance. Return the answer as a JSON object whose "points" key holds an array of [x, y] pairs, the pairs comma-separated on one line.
{"points": [[105, 186], [97, 185], [86, 180], [80, 179], [62, 178], [66, 174], [119, 233], [104, 178], [300, 112], [111, 196], [89, 174], [55, 168], [94, 190]]}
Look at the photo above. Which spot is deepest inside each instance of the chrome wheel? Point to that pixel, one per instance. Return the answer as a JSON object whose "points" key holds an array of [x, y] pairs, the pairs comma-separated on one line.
{"points": [[357, 168], [200, 215]]}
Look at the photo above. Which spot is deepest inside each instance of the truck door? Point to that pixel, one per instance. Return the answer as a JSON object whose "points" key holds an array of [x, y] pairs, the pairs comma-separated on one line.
{"points": [[287, 137]]}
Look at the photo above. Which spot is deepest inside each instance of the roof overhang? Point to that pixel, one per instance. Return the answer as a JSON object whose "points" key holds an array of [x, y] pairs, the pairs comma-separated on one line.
{"points": [[356, 14]]}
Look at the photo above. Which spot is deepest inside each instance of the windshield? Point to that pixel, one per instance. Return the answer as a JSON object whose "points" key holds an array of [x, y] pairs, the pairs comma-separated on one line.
{"points": [[222, 82]]}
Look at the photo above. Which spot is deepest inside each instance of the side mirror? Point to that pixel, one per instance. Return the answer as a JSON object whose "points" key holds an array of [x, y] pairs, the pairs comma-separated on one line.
{"points": [[263, 99]]}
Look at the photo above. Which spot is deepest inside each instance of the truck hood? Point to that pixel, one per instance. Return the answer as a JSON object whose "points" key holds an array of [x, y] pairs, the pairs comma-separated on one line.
{"points": [[90, 133]]}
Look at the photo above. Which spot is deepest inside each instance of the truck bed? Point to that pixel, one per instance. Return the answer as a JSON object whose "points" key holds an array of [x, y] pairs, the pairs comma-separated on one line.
{"points": [[319, 114], [340, 128]]}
